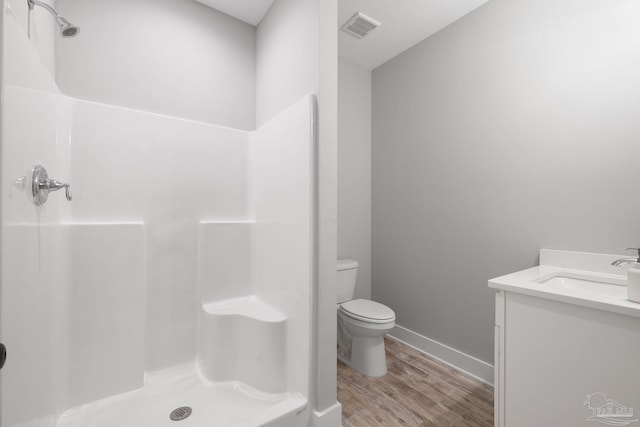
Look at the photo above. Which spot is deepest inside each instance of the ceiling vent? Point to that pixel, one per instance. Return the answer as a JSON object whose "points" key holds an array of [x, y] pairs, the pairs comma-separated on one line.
{"points": [[359, 25]]}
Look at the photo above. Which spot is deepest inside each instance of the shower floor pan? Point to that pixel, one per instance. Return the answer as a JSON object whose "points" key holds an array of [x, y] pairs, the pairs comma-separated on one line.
{"points": [[212, 404]]}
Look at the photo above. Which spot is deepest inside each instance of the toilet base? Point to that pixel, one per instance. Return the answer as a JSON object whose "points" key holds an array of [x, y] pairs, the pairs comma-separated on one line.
{"points": [[367, 356], [361, 344]]}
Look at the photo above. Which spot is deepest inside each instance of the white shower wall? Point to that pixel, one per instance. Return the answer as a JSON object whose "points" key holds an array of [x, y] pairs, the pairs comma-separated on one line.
{"points": [[119, 279], [172, 175], [273, 258], [29, 243], [283, 240], [168, 173], [100, 292]]}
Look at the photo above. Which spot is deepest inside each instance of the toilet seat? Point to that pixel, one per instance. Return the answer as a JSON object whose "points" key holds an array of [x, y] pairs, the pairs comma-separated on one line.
{"points": [[367, 311]]}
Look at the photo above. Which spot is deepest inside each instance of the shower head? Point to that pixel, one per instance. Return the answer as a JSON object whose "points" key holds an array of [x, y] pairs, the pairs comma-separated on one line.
{"points": [[69, 30], [66, 28]]}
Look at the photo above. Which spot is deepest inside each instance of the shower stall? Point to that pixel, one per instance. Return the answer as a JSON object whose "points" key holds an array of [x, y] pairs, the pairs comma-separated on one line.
{"points": [[175, 281]]}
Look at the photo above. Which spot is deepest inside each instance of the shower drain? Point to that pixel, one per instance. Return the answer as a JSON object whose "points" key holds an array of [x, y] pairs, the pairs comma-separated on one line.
{"points": [[180, 413]]}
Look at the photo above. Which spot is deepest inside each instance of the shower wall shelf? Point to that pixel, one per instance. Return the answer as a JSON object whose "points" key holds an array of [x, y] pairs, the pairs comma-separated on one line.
{"points": [[250, 306]]}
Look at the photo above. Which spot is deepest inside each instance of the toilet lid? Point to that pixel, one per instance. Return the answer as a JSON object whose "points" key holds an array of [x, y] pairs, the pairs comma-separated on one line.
{"points": [[368, 311]]}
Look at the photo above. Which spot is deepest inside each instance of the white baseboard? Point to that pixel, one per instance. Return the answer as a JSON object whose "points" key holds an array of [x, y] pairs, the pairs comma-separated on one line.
{"points": [[452, 357], [330, 417]]}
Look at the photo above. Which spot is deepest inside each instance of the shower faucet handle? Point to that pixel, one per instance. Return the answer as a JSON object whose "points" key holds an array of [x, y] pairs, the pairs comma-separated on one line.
{"points": [[41, 185], [53, 185]]}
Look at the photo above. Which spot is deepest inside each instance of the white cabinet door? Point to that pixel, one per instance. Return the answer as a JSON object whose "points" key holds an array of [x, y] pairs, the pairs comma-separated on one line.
{"points": [[557, 355]]}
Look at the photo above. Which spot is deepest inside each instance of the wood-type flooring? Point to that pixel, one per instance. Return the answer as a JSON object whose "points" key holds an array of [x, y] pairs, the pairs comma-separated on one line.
{"points": [[416, 391]]}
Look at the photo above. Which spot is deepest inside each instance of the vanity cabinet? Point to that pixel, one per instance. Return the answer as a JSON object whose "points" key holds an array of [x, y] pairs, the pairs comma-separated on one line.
{"points": [[559, 363]]}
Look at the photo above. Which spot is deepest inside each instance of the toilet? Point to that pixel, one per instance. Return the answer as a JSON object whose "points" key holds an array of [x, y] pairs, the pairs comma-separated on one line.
{"points": [[362, 325]]}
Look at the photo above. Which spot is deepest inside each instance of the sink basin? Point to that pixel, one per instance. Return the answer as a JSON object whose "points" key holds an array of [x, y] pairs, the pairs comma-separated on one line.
{"points": [[583, 283]]}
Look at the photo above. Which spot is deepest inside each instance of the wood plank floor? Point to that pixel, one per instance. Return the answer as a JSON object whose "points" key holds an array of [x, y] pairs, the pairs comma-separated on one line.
{"points": [[417, 391]]}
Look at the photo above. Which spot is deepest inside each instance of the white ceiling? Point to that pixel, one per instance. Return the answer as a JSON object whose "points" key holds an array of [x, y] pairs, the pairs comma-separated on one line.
{"points": [[250, 11], [404, 24]]}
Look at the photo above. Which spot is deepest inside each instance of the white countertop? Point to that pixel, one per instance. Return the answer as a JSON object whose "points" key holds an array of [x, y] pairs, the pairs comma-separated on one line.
{"points": [[594, 267]]}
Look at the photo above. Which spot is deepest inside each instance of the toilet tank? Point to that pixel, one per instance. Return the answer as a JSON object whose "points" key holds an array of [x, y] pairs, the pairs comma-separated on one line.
{"points": [[347, 273]]}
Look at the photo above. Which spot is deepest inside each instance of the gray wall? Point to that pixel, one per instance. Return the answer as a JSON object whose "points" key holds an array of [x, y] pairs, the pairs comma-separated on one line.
{"points": [[147, 55], [287, 56], [354, 170], [516, 128], [327, 410]]}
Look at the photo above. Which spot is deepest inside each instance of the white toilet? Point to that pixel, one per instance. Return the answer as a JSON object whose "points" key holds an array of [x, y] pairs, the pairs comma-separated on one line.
{"points": [[362, 325]]}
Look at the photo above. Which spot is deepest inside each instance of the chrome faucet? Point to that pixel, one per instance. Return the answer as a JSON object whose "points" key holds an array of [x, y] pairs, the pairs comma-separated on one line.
{"points": [[41, 185], [53, 185], [628, 260]]}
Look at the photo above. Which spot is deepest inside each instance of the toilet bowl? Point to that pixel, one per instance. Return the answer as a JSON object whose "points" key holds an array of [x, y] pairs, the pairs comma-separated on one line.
{"points": [[362, 325]]}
